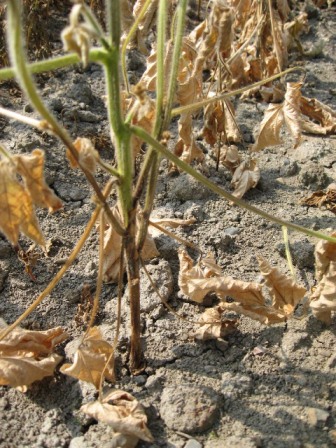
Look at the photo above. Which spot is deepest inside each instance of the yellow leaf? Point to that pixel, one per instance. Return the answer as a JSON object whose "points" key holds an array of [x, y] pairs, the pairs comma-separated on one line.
{"points": [[16, 208], [90, 360], [26, 356], [285, 292], [124, 414], [30, 167]]}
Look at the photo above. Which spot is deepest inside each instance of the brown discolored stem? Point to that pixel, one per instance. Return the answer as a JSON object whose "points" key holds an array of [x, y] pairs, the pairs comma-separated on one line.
{"points": [[137, 363]]}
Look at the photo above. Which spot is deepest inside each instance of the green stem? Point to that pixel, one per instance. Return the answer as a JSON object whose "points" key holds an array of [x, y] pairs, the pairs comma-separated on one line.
{"points": [[95, 55], [18, 57], [215, 188]]}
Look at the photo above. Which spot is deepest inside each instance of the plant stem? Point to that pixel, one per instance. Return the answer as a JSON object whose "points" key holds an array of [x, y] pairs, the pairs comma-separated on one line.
{"points": [[220, 191], [52, 64]]}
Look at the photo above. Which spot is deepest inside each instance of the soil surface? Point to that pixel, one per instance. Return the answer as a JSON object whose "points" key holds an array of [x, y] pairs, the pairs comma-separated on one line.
{"points": [[269, 387]]}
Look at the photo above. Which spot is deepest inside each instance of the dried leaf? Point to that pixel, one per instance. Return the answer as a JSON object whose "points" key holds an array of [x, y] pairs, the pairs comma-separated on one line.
{"points": [[123, 413], [285, 292], [30, 167], [246, 176], [90, 359], [219, 119], [212, 326], [229, 157], [16, 208], [291, 109], [26, 356], [322, 198], [270, 126], [320, 113], [323, 299], [325, 253], [87, 155], [196, 282]]}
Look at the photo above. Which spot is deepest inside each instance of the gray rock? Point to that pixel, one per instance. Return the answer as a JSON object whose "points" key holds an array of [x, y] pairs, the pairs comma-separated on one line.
{"points": [[302, 253], [87, 116], [312, 175], [69, 192], [192, 443], [55, 104], [81, 92], [289, 168], [231, 231], [78, 442], [317, 416], [3, 276], [186, 188], [234, 386], [188, 408]]}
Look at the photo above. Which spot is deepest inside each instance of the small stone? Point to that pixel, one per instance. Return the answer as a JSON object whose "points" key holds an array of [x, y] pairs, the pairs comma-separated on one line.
{"points": [[88, 116], [186, 188], [56, 105], [312, 175], [289, 169], [140, 380], [231, 231], [192, 443], [189, 409], [332, 436], [81, 92], [69, 192], [78, 442], [222, 344], [3, 276], [302, 253], [317, 416]]}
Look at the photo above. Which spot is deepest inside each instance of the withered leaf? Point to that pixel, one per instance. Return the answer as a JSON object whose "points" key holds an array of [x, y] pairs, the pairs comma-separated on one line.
{"points": [[212, 326], [285, 292], [31, 169], [219, 118], [323, 298], [196, 282], [87, 155], [123, 413], [322, 198], [90, 359], [325, 253], [324, 117], [26, 356], [245, 177], [16, 208], [270, 126]]}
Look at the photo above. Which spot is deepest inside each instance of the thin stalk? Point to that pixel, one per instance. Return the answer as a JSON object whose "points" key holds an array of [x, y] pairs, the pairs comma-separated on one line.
{"points": [[23, 119], [128, 40], [288, 252], [95, 55], [100, 273], [161, 42], [178, 40], [91, 18], [275, 45], [215, 188], [200, 104]]}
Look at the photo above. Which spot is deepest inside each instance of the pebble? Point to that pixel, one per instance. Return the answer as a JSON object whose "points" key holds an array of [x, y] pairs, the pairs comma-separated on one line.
{"points": [[186, 188], [70, 192], [88, 116], [317, 416], [3, 276], [289, 168], [5, 249], [78, 442], [192, 443], [312, 175], [189, 409], [81, 92], [302, 253]]}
